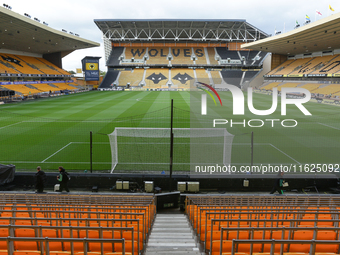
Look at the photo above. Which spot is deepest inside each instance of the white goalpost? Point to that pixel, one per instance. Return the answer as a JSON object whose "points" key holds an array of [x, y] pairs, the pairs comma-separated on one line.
{"points": [[149, 148]]}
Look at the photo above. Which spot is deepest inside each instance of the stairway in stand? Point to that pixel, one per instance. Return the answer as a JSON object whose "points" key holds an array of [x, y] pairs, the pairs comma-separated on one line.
{"points": [[171, 234]]}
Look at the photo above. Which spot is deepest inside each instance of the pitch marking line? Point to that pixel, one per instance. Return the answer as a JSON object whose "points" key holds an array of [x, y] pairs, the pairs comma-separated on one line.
{"points": [[285, 154], [328, 126], [64, 148], [56, 152], [11, 125]]}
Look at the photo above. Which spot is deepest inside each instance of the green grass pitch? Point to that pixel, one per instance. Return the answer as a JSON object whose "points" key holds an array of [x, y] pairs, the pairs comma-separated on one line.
{"points": [[56, 131]]}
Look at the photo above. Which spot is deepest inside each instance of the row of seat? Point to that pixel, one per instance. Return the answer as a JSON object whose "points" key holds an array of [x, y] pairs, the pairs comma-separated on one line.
{"points": [[315, 88], [70, 219], [326, 65], [218, 220], [17, 64], [77, 246], [183, 55], [31, 89]]}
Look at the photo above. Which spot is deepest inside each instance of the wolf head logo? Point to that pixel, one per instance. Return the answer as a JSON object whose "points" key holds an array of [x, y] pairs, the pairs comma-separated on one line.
{"points": [[156, 78], [183, 78]]}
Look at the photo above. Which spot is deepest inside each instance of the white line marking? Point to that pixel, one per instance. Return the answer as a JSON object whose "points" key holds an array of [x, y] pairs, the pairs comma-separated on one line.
{"points": [[56, 152], [11, 125], [285, 154], [328, 126]]}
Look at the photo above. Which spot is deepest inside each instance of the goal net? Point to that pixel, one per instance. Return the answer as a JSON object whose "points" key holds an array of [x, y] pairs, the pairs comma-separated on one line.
{"points": [[148, 149]]}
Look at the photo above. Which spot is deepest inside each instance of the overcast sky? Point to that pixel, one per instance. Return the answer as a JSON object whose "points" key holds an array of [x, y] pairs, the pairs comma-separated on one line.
{"points": [[78, 15]]}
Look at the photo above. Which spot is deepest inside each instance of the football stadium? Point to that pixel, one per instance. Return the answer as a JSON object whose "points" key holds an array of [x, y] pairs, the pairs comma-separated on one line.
{"points": [[176, 148]]}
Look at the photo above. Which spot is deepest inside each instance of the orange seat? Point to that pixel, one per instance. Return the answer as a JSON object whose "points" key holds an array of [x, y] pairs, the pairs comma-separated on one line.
{"points": [[4, 232], [215, 247], [26, 252]]}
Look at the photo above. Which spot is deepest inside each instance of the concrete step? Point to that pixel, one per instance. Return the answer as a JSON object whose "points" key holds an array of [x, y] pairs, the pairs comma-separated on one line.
{"points": [[171, 234]]}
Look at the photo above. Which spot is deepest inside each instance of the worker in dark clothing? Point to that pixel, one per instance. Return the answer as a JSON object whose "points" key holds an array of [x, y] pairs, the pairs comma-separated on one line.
{"points": [[63, 178], [40, 180], [278, 184]]}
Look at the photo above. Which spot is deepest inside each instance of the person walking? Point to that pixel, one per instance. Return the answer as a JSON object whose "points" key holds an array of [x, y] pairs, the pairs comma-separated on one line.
{"points": [[278, 184], [63, 179], [40, 180]]}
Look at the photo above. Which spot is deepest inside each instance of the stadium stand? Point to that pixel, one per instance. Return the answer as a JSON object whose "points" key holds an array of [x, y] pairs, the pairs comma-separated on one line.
{"points": [[232, 76], [158, 56], [75, 224], [200, 57], [277, 70], [327, 90], [156, 77], [110, 78], [116, 53], [326, 65], [181, 56], [211, 54], [216, 77], [24, 90], [130, 78], [29, 65], [288, 85], [17, 65], [182, 77], [311, 86], [312, 66], [225, 53], [270, 86], [249, 225], [132, 52], [249, 75], [153, 56], [202, 74], [257, 59]]}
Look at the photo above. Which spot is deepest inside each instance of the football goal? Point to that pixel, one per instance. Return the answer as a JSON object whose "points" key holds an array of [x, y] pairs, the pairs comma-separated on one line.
{"points": [[148, 149]]}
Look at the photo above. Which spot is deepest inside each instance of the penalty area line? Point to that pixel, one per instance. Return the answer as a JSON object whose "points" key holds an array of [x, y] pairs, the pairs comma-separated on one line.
{"points": [[285, 153], [56, 152]]}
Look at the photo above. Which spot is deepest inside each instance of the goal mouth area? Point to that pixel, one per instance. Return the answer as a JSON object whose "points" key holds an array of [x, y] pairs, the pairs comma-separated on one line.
{"points": [[148, 149]]}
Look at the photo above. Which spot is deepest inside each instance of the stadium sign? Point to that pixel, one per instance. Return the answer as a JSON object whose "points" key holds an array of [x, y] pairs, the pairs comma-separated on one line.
{"points": [[90, 66]]}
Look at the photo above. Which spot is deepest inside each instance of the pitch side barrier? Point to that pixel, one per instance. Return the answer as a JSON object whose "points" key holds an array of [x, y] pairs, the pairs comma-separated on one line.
{"points": [[261, 233], [58, 232], [119, 213], [73, 222], [256, 223], [45, 243]]}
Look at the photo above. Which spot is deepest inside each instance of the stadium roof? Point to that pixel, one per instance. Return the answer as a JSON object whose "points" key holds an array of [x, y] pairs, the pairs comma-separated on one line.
{"points": [[321, 35], [21, 33], [184, 30]]}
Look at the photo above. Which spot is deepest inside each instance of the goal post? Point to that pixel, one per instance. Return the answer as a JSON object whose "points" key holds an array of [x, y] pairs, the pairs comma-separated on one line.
{"points": [[148, 149]]}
